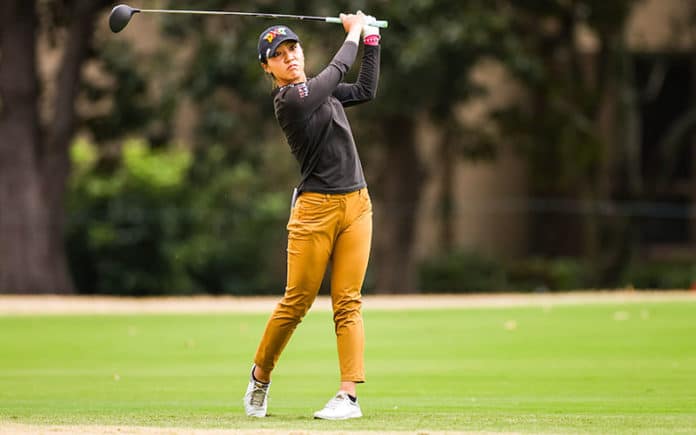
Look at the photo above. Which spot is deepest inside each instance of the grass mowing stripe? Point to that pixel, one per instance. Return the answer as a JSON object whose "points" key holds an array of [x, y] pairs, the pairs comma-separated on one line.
{"points": [[619, 368]]}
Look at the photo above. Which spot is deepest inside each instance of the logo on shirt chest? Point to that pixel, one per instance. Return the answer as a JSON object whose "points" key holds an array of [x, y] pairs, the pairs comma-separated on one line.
{"points": [[303, 90]]}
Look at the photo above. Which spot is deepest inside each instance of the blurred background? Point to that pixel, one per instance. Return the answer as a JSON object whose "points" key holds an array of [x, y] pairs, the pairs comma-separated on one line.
{"points": [[536, 145]]}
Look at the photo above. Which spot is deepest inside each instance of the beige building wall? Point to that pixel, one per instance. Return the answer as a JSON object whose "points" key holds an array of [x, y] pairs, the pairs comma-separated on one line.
{"points": [[487, 211], [487, 217], [662, 25]]}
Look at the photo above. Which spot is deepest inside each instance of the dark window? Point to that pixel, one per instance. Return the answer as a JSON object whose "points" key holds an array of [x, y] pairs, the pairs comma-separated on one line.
{"points": [[665, 84]]}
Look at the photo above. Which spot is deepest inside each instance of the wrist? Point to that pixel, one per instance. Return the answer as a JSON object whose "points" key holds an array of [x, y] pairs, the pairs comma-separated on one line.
{"points": [[354, 34], [371, 39]]}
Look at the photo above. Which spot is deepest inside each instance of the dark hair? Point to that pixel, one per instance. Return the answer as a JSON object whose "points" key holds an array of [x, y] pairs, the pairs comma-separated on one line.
{"points": [[271, 77]]}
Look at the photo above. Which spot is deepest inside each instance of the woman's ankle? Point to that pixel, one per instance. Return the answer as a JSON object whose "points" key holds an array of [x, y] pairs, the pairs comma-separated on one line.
{"points": [[261, 375], [349, 387]]}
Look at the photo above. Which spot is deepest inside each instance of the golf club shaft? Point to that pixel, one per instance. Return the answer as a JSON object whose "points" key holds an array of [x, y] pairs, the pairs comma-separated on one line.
{"points": [[336, 20]]}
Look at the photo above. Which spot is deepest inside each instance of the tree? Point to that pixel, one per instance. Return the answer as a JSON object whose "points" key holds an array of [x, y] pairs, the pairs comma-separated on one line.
{"points": [[569, 127], [34, 163], [426, 65]]}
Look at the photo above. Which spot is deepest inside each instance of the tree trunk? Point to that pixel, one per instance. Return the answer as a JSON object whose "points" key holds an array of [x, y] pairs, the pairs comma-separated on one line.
{"points": [[401, 191], [448, 160], [692, 222], [618, 122], [25, 230], [55, 168], [33, 169]]}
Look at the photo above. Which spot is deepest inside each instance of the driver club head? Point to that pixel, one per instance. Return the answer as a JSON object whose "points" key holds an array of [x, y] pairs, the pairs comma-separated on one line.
{"points": [[120, 17]]}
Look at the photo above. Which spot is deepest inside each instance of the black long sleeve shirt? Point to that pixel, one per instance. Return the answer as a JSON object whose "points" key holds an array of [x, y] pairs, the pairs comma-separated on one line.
{"points": [[312, 117]]}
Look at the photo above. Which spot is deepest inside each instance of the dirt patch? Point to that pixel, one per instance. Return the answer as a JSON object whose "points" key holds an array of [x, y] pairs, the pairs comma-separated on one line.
{"points": [[22, 429], [32, 305]]}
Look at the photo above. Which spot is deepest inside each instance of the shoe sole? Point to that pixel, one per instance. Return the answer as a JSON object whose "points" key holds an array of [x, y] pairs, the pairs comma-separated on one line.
{"points": [[316, 417], [255, 412]]}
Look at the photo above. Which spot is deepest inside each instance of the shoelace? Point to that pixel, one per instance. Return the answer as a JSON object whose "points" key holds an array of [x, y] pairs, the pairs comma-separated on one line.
{"points": [[336, 401], [258, 395]]}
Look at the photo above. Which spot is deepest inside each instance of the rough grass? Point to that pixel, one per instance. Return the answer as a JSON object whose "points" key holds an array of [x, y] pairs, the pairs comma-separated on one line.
{"points": [[609, 368]]}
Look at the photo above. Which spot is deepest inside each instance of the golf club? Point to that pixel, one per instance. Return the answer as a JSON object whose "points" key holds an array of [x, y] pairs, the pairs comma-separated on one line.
{"points": [[121, 15]]}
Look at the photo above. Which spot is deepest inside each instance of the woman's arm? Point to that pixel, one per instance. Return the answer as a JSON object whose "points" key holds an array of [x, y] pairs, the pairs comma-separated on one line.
{"points": [[305, 98], [365, 88], [353, 25]]}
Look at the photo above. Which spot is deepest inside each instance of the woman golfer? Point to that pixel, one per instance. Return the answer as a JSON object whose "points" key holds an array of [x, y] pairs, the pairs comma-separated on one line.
{"points": [[331, 216]]}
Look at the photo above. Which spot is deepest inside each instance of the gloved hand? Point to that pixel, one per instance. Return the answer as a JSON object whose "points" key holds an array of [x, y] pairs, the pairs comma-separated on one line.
{"points": [[368, 29]]}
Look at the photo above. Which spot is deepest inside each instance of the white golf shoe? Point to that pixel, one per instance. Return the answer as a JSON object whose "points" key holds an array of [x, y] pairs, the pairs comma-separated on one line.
{"points": [[340, 408], [256, 397]]}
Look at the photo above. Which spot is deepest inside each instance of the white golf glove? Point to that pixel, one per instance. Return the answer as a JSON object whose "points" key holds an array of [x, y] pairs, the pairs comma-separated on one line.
{"points": [[367, 28]]}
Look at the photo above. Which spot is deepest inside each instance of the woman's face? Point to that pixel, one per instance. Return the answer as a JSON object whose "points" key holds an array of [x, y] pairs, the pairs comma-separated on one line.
{"points": [[286, 64]]}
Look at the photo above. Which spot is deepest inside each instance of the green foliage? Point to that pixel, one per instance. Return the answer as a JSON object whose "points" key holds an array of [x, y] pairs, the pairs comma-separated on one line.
{"points": [[661, 275], [469, 272], [122, 222], [123, 89], [556, 129], [158, 222], [547, 274], [462, 272], [236, 243], [426, 61]]}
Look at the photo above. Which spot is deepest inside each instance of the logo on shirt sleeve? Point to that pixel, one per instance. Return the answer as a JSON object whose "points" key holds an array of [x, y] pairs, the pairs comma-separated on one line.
{"points": [[302, 88]]}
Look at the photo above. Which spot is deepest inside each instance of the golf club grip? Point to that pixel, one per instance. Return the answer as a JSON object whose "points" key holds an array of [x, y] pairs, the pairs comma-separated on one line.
{"points": [[377, 23]]}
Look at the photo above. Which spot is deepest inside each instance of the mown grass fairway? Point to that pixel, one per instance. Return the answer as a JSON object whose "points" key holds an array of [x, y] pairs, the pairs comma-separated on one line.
{"points": [[619, 368]]}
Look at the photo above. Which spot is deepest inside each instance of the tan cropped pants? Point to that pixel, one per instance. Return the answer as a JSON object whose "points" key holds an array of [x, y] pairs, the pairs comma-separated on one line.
{"points": [[323, 228]]}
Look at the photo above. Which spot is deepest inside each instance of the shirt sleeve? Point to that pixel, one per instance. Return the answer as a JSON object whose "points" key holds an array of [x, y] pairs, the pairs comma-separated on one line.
{"points": [[304, 98], [365, 88]]}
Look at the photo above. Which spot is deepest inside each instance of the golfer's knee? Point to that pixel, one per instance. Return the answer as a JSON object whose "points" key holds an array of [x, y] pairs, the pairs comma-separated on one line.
{"points": [[346, 308], [294, 309]]}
